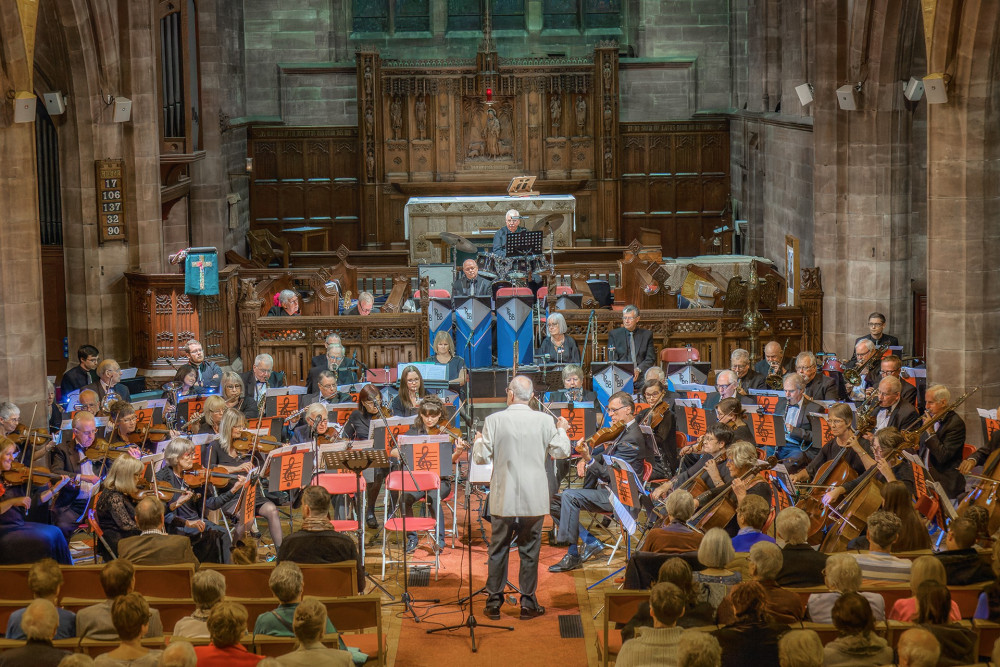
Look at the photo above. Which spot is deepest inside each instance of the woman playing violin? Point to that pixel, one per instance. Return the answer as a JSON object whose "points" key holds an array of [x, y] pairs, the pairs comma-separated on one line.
{"points": [[115, 506], [411, 390], [839, 420], [231, 389], [431, 421], [209, 541], [125, 421], [358, 427], [695, 457], [10, 426], [741, 459], [223, 453], [730, 412], [23, 541], [664, 430], [444, 354], [211, 418]]}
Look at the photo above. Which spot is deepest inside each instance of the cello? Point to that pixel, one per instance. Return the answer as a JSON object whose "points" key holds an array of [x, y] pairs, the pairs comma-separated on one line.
{"points": [[835, 472], [721, 509], [986, 492]]}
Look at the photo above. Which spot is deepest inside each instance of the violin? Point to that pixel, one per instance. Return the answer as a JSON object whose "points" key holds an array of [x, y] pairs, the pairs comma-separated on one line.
{"points": [[102, 449], [148, 434], [245, 443], [606, 434], [160, 490], [18, 474], [216, 476], [986, 492], [22, 434], [445, 429], [655, 414]]}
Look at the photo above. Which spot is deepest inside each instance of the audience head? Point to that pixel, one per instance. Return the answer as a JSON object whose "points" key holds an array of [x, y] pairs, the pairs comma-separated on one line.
{"points": [[926, 568], [677, 572], [77, 660], [45, 578], [309, 622], [716, 549], [130, 616], [286, 582], [852, 615], [317, 500], [918, 648], [980, 518], [800, 648], [843, 574], [700, 649], [766, 559], [793, 525], [227, 623], [40, 620], [680, 505], [752, 512], [117, 578], [962, 534], [667, 603], [178, 653], [149, 513], [208, 588], [933, 603], [749, 602], [883, 529]]}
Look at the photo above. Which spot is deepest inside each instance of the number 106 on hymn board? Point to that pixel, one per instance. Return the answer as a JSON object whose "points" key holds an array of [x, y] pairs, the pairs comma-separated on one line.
{"points": [[110, 180]]}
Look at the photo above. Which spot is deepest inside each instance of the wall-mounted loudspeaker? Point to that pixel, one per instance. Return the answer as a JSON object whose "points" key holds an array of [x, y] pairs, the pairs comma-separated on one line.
{"points": [[847, 97], [55, 103], [936, 88], [123, 109], [913, 89], [805, 93], [24, 107]]}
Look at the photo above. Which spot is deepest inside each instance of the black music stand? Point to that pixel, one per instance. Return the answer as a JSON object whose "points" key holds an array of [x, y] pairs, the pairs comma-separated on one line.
{"points": [[524, 243], [357, 461]]}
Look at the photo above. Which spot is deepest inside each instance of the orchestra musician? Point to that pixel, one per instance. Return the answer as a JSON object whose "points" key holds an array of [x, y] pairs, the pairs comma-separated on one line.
{"points": [[55, 412], [221, 452], [344, 370], [320, 359], [69, 458], [573, 390], [23, 541], [863, 351], [876, 332], [232, 390], [726, 386], [185, 380], [109, 374], [326, 392], [512, 222], [741, 458], [746, 377], [730, 412], [358, 427], [411, 390], [893, 365], [694, 457], [558, 345], [80, 376], [979, 456], [288, 305], [941, 446], [115, 505], [211, 418], [257, 381], [89, 401], [316, 423], [819, 387], [470, 283], [10, 418], [882, 442], [893, 410], [799, 444], [444, 354], [773, 361], [211, 542], [125, 421], [632, 344], [365, 305], [664, 433], [209, 373], [839, 419], [630, 447]]}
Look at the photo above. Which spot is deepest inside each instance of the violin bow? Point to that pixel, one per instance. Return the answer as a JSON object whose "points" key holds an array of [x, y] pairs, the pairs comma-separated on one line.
{"points": [[31, 457]]}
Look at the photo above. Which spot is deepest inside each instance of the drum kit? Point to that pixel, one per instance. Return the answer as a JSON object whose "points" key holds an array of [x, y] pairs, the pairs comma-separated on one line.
{"points": [[510, 271]]}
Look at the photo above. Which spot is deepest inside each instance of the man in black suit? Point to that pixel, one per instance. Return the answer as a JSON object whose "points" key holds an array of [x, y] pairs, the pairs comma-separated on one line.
{"points": [[632, 344], [893, 365], [800, 446], [257, 381], [630, 447], [876, 332], [109, 374], [326, 390], [344, 370], [892, 410], [512, 222], [470, 283], [80, 376], [746, 377], [69, 458], [774, 361], [864, 350], [941, 446], [320, 359], [818, 386], [155, 546]]}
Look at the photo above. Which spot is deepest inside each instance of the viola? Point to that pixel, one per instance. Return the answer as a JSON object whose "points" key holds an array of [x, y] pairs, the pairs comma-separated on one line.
{"points": [[835, 472], [102, 449], [18, 474], [245, 443], [22, 434], [655, 414], [606, 434], [216, 476]]}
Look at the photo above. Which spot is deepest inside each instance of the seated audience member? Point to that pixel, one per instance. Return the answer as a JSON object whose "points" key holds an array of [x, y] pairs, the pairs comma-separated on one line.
{"points": [[38, 624], [802, 565], [715, 553], [988, 607], [130, 614], [857, 643], [697, 610], [918, 648], [287, 306], [656, 645], [925, 568], [879, 566], [842, 575], [309, 624], [154, 546], [752, 640], [958, 644], [800, 648], [961, 560], [45, 579], [84, 660], [675, 536], [208, 588], [782, 605], [316, 541], [913, 535], [227, 623], [95, 622], [751, 515], [178, 653], [980, 518], [699, 649]]}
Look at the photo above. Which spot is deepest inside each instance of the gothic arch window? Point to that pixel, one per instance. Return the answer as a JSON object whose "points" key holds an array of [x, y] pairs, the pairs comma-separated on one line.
{"points": [[47, 167], [178, 85], [506, 15]]}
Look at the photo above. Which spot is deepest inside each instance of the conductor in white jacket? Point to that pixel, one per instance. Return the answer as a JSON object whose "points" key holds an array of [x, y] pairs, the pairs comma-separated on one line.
{"points": [[517, 441]]}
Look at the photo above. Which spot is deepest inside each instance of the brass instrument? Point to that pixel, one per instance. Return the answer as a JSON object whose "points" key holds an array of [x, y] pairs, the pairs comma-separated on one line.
{"points": [[913, 437], [866, 413], [856, 374], [775, 380]]}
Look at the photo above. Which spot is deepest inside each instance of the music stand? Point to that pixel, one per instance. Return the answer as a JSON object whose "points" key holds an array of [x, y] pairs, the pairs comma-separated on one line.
{"points": [[357, 461], [524, 243]]}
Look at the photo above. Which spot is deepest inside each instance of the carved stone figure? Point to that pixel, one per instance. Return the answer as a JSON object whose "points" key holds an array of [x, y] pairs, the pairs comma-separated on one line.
{"points": [[396, 117], [555, 111], [581, 115], [492, 134], [369, 120], [607, 116], [370, 164], [421, 113], [368, 81]]}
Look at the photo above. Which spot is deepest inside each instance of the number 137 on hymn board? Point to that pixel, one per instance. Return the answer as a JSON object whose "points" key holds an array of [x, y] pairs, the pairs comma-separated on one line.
{"points": [[110, 181]]}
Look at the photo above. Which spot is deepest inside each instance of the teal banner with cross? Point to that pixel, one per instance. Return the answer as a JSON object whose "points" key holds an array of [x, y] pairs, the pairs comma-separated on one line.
{"points": [[201, 273]]}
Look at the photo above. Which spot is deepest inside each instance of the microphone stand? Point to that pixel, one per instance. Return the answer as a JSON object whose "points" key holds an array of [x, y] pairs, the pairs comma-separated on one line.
{"points": [[586, 338], [406, 599]]}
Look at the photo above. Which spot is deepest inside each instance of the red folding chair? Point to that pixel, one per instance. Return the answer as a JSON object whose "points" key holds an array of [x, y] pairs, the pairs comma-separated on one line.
{"points": [[402, 482], [344, 484], [513, 291], [434, 294]]}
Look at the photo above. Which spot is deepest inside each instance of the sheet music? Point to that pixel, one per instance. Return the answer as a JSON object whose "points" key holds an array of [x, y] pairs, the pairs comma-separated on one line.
{"points": [[480, 474], [687, 402], [291, 390], [987, 414]]}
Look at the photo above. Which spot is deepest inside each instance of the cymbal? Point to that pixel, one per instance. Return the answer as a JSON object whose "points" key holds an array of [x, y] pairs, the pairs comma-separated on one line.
{"points": [[459, 242], [553, 221]]}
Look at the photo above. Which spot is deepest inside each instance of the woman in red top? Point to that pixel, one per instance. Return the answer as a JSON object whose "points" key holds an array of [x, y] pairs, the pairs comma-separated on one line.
{"points": [[227, 623]]}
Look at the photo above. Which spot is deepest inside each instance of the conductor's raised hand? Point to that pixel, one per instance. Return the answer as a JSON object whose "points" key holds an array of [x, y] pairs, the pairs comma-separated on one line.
{"points": [[562, 423]]}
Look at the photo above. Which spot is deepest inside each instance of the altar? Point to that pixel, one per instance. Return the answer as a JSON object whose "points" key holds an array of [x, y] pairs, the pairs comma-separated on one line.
{"points": [[476, 218]]}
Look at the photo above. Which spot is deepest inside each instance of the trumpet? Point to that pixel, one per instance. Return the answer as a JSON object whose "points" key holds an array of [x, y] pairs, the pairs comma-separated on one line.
{"points": [[774, 380], [856, 374]]}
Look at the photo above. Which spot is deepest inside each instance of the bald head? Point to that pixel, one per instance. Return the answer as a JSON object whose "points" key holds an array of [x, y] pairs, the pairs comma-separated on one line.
{"points": [[40, 620], [521, 390], [89, 400], [178, 653]]}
